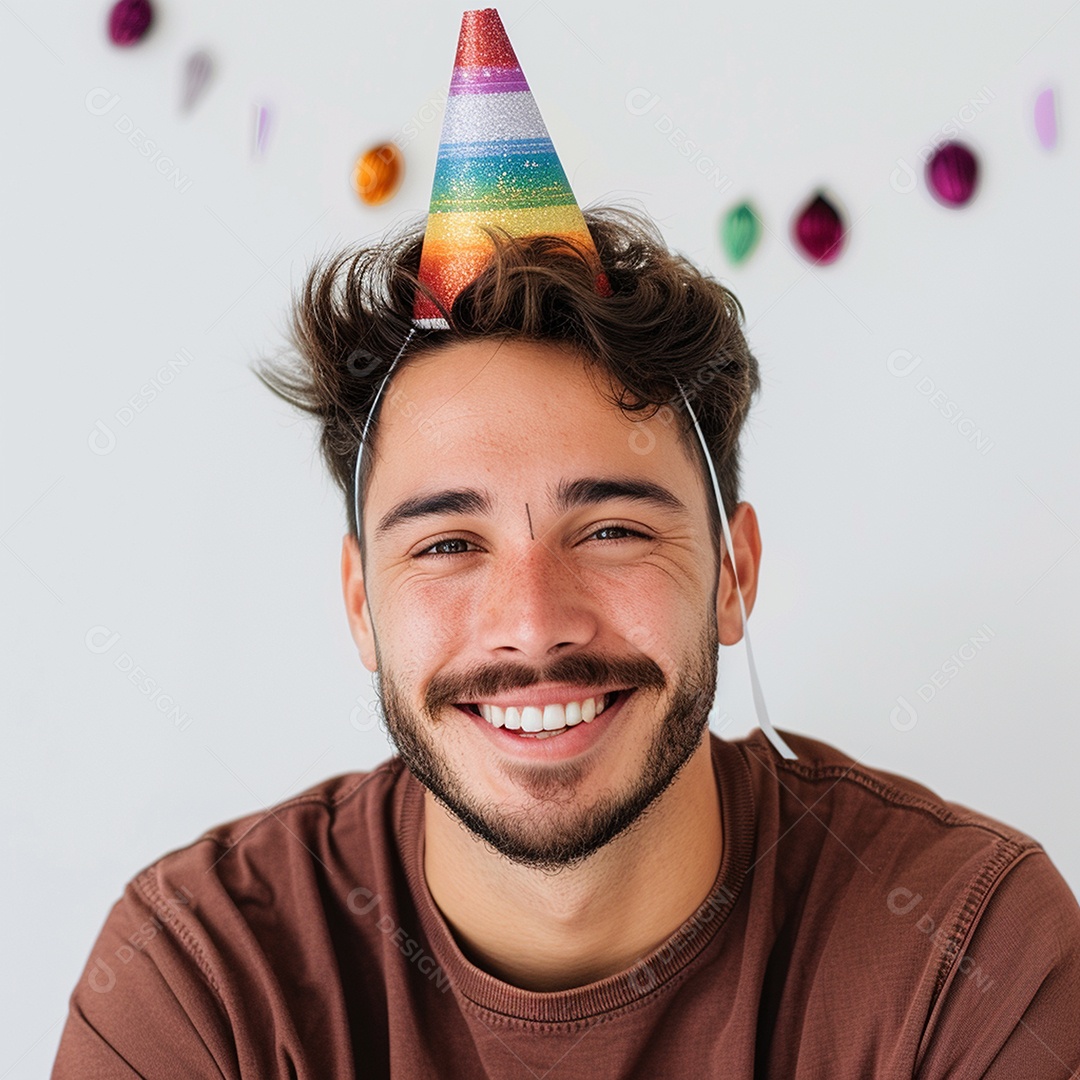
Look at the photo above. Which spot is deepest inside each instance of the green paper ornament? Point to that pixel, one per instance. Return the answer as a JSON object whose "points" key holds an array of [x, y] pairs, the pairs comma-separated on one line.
{"points": [[741, 232]]}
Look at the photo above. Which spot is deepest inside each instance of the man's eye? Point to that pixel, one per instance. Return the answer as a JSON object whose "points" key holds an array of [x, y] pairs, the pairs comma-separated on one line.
{"points": [[431, 552], [621, 528], [442, 543]]}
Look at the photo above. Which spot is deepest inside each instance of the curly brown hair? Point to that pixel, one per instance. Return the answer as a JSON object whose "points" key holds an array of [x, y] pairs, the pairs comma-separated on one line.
{"points": [[664, 321]]}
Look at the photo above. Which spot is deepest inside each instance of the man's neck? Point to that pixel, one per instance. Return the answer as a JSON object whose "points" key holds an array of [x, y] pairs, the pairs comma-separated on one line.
{"points": [[549, 932]]}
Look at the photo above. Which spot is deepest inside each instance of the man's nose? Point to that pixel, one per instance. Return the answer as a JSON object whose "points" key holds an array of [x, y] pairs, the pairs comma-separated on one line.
{"points": [[535, 600]]}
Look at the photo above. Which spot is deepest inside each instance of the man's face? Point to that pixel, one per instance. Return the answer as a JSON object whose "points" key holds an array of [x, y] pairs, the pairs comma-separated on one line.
{"points": [[513, 593]]}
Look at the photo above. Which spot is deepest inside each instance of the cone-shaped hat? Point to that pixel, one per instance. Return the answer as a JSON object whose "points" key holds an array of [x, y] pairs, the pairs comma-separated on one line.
{"points": [[496, 166]]}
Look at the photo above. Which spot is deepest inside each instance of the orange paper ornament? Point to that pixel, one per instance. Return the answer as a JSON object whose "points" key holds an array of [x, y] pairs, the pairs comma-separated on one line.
{"points": [[378, 173]]}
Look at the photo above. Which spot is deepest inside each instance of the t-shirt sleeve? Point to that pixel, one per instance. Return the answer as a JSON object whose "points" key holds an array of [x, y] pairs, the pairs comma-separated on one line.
{"points": [[1010, 1007], [144, 1006]]}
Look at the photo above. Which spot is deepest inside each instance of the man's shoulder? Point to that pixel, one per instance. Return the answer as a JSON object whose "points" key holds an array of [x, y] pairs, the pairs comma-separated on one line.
{"points": [[824, 775], [874, 845], [349, 811], [319, 806], [232, 935], [870, 876]]}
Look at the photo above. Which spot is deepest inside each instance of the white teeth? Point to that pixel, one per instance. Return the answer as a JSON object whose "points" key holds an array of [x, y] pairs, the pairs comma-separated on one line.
{"points": [[532, 718], [541, 720]]}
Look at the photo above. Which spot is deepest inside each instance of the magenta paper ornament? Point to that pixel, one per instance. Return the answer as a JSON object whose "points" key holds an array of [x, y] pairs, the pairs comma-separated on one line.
{"points": [[952, 174], [129, 21], [818, 230]]}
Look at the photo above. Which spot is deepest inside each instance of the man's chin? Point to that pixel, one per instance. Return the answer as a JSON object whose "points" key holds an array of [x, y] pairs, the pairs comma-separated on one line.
{"points": [[546, 839], [544, 822]]}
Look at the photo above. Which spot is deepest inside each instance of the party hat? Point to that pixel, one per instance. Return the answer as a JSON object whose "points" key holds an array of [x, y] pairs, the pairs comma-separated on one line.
{"points": [[496, 166]]}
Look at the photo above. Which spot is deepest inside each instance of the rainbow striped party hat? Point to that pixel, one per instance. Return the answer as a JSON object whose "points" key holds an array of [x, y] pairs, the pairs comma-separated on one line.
{"points": [[496, 166]]}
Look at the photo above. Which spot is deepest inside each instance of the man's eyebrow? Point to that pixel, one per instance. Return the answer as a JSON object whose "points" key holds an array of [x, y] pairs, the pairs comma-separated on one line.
{"points": [[569, 495], [460, 501], [589, 490]]}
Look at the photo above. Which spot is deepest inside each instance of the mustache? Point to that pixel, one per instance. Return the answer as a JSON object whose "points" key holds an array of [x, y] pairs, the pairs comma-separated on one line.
{"points": [[476, 684]]}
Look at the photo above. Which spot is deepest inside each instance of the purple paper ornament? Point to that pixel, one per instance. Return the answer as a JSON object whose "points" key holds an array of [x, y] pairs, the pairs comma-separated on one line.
{"points": [[262, 129], [129, 21], [196, 75], [952, 174], [1046, 119], [818, 230]]}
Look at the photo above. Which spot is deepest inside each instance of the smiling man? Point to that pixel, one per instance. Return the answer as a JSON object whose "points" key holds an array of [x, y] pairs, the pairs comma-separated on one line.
{"points": [[563, 871], [545, 587]]}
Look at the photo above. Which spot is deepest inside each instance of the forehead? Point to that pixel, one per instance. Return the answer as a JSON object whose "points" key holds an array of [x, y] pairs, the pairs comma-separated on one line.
{"points": [[501, 373], [498, 384], [515, 415]]}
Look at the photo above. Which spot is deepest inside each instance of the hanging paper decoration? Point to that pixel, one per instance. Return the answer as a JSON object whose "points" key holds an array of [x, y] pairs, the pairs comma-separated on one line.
{"points": [[196, 75], [1046, 119], [741, 232], [262, 128], [129, 20], [818, 229], [952, 174], [377, 174]]}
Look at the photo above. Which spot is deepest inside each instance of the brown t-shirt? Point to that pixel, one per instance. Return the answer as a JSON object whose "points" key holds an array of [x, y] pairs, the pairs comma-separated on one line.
{"points": [[859, 926]]}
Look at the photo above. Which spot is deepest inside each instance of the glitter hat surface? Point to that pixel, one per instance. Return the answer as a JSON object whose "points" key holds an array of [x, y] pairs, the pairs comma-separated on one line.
{"points": [[496, 166]]}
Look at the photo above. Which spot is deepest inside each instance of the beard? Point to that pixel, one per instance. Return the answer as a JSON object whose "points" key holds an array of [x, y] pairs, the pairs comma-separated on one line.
{"points": [[564, 834]]}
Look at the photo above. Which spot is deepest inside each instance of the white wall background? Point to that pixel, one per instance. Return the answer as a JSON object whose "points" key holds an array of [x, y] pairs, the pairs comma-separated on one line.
{"points": [[208, 538]]}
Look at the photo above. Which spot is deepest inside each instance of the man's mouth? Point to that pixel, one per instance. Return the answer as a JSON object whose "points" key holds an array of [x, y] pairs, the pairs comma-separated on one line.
{"points": [[535, 722]]}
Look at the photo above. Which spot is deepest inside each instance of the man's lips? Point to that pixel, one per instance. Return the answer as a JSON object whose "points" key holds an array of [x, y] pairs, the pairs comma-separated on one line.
{"points": [[558, 743], [609, 700]]}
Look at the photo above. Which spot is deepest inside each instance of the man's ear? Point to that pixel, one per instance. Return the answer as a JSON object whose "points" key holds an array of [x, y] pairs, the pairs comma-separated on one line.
{"points": [[746, 541], [356, 605]]}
